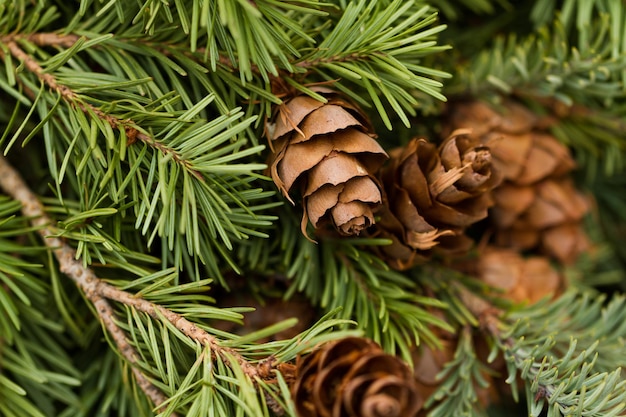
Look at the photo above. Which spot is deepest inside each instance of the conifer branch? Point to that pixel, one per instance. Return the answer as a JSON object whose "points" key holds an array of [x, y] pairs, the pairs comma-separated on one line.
{"points": [[133, 133], [106, 314], [185, 326], [85, 279], [99, 292]]}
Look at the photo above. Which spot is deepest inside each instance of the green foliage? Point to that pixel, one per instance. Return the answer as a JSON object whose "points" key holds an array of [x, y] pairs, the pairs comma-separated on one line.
{"points": [[387, 306], [36, 370], [569, 353], [379, 46], [546, 65], [460, 379], [140, 126]]}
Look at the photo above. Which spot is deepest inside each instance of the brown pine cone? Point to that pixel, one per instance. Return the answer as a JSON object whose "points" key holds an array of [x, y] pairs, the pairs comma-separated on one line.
{"points": [[546, 215], [433, 194], [354, 377], [522, 280], [537, 206], [328, 149]]}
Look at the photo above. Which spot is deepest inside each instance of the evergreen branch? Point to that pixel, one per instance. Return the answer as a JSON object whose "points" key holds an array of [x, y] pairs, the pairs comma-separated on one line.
{"points": [[198, 197], [181, 323], [99, 292], [107, 315], [95, 289], [85, 279], [459, 380], [379, 47], [250, 33], [563, 363], [546, 64], [132, 132]]}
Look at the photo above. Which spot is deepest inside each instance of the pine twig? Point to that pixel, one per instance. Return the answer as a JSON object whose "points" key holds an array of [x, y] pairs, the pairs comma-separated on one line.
{"points": [[99, 292], [46, 39], [132, 132]]}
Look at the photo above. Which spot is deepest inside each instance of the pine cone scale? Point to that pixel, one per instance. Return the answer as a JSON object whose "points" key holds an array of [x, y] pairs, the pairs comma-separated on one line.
{"points": [[293, 113], [301, 157], [325, 120]]}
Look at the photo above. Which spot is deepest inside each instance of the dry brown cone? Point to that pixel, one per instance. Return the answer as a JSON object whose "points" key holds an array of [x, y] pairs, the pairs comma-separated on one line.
{"points": [[520, 279], [537, 206], [432, 195], [329, 150], [354, 377]]}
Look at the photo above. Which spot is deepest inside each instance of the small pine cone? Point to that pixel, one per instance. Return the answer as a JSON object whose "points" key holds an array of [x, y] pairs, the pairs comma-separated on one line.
{"points": [[433, 194], [537, 205], [522, 280], [329, 150], [354, 377]]}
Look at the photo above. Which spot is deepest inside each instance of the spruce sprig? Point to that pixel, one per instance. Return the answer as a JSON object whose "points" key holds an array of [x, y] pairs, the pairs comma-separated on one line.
{"points": [[568, 353]]}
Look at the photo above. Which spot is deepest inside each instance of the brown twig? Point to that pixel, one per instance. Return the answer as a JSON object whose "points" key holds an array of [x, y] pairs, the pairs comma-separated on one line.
{"points": [[132, 132], [181, 323], [44, 39]]}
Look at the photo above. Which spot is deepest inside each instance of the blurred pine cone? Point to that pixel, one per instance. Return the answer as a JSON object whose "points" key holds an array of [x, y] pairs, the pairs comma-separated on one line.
{"points": [[432, 195], [330, 151], [522, 280], [354, 377], [537, 206]]}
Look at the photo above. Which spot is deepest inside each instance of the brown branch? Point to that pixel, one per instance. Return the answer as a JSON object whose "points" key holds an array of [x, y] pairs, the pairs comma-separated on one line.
{"points": [[68, 95], [44, 39], [14, 185]]}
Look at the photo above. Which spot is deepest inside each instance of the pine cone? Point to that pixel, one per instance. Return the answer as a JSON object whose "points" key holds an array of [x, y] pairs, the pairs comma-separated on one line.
{"points": [[522, 280], [537, 206], [329, 151], [433, 194], [354, 377]]}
